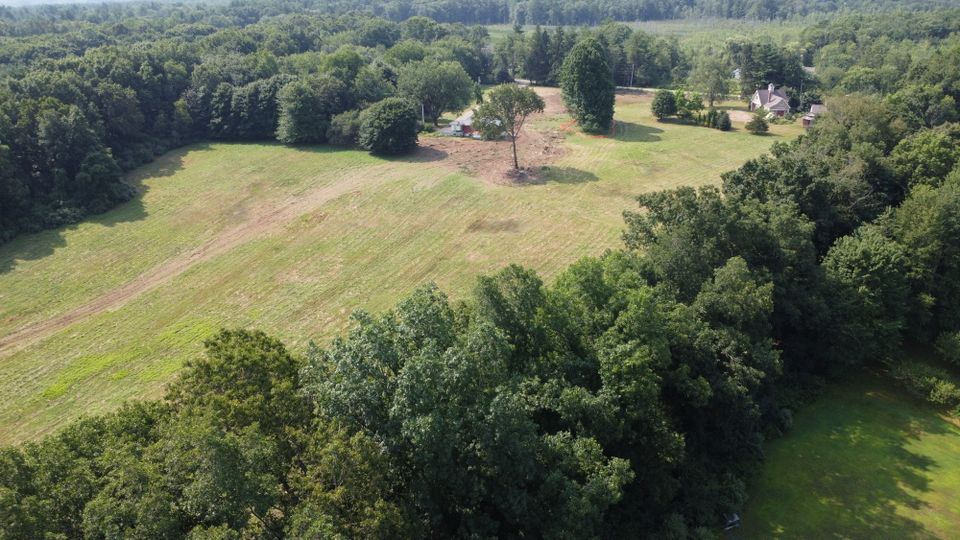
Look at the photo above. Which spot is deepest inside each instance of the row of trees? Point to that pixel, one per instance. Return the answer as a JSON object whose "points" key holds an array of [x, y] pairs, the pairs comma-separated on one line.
{"points": [[157, 17], [634, 57], [628, 398], [688, 108]]}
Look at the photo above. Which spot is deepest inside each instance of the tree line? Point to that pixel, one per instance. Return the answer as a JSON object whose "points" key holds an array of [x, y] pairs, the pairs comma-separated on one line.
{"points": [[79, 108], [59, 18], [634, 57], [70, 127]]}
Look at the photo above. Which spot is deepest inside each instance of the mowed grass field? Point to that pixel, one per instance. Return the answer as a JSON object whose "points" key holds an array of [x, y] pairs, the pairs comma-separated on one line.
{"points": [[864, 461], [292, 240]]}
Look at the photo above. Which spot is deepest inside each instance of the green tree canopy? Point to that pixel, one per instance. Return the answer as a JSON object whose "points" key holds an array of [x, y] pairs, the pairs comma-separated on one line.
{"points": [[439, 86], [504, 112], [389, 127], [306, 107], [587, 85], [664, 104]]}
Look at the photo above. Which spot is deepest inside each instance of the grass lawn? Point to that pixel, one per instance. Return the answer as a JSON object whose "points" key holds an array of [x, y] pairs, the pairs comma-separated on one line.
{"points": [[864, 461], [292, 240]]}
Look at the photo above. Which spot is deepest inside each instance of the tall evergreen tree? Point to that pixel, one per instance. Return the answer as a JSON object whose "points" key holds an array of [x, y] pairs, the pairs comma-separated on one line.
{"points": [[587, 85]]}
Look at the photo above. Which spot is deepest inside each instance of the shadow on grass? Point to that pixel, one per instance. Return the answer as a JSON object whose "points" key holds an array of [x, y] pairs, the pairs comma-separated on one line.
{"points": [[631, 132], [846, 467], [566, 175], [423, 154], [35, 246]]}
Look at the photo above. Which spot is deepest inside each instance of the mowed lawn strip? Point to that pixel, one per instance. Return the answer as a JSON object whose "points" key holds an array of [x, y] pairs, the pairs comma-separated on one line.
{"points": [[863, 461], [398, 224]]}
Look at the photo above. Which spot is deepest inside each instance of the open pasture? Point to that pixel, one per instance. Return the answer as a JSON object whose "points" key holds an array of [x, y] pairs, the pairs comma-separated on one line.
{"points": [[292, 240]]}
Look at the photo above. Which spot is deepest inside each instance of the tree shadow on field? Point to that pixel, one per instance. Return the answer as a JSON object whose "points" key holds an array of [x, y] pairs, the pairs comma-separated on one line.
{"points": [[37, 245], [855, 470], [631, 132], [566, 175], [422, 154]]}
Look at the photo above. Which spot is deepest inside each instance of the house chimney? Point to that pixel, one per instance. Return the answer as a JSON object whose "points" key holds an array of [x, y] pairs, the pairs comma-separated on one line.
{"points": [[770, 88]]}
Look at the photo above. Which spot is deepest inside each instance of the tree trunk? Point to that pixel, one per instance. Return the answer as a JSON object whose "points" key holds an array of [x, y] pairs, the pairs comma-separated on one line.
{"points": [[513, 141]]}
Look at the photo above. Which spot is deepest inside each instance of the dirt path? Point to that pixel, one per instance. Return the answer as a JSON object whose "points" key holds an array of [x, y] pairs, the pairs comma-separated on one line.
{"points": [[263, 220], [741, 116]]}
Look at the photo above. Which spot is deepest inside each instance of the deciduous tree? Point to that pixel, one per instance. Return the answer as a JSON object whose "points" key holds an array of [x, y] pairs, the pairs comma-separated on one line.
{"points": [[505, 110], [389, 127]]}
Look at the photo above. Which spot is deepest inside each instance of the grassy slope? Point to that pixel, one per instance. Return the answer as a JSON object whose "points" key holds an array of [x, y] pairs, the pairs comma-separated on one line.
{"points": [[864, 461], [403, 224]]}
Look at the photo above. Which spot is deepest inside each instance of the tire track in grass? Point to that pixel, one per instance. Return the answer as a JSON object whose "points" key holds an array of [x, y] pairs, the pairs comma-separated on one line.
{"points": [[262, 221]]}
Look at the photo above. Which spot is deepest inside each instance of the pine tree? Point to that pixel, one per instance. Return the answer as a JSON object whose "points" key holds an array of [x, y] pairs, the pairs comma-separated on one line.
{"points": [[536, 65]]}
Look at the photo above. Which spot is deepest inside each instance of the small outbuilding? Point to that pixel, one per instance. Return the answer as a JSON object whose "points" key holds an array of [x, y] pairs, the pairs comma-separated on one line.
{"points": [[811, 117], [771, 99]]}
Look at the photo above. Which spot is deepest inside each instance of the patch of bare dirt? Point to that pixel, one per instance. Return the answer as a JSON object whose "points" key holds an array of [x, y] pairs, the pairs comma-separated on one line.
{"points": [[492, 161], [627, 97], [552, 100], [740, 116]]}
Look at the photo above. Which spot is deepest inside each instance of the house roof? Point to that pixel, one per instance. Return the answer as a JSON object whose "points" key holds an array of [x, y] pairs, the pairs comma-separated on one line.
{"points": [[818, 109], [772, 101]]}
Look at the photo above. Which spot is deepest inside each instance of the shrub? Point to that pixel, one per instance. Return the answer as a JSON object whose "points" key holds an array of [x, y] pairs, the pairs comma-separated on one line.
{"points": [[758, 125], [344, 128], [710, 118], [948, 346], [664, 104], [389, 127], [723, 121], [928, 383]]}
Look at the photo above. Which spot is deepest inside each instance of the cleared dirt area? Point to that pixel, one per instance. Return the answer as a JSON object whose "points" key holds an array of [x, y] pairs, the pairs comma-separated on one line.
{"points": [[740, 116], [492, 161]]}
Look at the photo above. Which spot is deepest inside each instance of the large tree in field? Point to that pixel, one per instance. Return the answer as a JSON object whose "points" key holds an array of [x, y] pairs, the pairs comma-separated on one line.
{"points": [[587, 85], [438, 86], [506, 110]]}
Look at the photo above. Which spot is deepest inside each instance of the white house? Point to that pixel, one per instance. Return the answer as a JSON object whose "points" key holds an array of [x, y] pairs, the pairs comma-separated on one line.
{"points": [[772, 99]]}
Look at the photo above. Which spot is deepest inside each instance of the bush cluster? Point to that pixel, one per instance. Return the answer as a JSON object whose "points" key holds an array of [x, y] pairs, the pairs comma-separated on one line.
{"points": [[929, 383]]}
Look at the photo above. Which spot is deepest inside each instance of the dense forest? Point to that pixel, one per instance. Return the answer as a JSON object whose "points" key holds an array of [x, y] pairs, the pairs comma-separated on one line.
{"points": [[546, 12], [629, 397]]}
